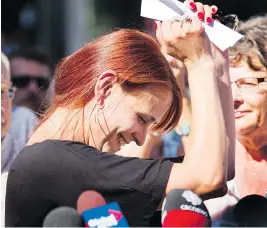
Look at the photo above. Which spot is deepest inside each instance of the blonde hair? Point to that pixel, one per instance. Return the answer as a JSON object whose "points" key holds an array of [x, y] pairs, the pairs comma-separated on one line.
{"points": [[5, 67], [253, 48]]}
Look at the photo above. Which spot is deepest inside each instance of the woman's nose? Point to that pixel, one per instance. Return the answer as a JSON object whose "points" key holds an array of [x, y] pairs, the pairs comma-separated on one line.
{"points": [[237, 95], [140, 135]]}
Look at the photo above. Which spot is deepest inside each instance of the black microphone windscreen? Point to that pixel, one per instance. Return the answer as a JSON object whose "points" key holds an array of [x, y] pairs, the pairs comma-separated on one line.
{"points": [[63, 217], [251, 211]]}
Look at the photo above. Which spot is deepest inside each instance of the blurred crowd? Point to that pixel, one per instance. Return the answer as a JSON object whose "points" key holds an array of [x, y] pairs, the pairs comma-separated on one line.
{"points": [[27, 93]]}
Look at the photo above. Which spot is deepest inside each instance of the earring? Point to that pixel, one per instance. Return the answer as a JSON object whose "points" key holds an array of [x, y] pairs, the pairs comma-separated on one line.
{"points": [[100, 102], [100, 106]]}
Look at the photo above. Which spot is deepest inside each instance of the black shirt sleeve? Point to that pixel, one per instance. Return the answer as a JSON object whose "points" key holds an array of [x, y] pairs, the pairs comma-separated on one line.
{"points": [[54, 173]]}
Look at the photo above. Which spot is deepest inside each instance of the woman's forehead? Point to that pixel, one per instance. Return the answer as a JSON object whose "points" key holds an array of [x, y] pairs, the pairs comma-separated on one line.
{"points": [[154, 92], [244, 71], [155, 100]]}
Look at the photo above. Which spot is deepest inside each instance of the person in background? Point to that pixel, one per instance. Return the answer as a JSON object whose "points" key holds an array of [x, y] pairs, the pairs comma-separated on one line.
{"points": [[31, 74], [22, 125], [248, 73], [15, 133], [17, 123], [7, 94], [175, 143]]}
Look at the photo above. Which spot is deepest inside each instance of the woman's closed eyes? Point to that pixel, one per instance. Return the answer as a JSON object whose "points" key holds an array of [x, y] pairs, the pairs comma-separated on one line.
{"points": [[141, 119]]}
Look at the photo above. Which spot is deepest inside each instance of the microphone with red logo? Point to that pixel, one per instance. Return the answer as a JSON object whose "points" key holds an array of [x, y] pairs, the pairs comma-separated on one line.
{"points": [[184, 208], [96, 213]]}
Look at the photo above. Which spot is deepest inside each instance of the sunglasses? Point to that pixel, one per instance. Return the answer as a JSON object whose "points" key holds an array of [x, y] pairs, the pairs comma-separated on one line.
{"points": [[22, 81], [231, 20]]}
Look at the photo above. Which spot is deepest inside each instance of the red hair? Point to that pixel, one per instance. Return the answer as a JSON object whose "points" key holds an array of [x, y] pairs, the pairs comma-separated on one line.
{"points": [[133, 55]]}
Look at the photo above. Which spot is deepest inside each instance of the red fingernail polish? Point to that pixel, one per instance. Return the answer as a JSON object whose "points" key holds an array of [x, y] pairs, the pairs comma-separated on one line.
{"points": [[209, 20], [213, 10], [155, 24], [192, 5], [200, 16]]}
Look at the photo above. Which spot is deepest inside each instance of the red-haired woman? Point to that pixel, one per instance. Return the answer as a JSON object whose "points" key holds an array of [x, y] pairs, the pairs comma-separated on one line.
{"points": [[109, 93]]}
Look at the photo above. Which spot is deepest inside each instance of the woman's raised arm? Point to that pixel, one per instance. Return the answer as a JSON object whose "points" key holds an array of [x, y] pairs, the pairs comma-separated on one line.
{"points": [[204, 167]]}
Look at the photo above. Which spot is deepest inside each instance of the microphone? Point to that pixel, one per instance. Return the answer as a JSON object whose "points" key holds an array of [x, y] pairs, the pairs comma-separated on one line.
{"points": [[63, 217], [183, 208], [96, 213], [88, 200], [251, 211]]}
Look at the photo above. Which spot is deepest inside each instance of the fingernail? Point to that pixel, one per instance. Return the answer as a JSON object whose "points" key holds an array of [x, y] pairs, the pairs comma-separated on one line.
{"points": [[155, 24], [213, 10], [209, 20], [200, 16], [192, 5]]}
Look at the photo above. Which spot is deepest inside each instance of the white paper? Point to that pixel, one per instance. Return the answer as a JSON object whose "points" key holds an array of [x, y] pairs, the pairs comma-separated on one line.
{"points": [[222, 36]]}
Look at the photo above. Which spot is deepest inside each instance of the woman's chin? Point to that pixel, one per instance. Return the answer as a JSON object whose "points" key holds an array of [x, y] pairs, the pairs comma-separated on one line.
{"points": [[245, 129]]}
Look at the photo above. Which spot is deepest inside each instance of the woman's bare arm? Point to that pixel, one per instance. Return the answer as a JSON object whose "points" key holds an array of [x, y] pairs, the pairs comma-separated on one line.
{"points": [[204, 166]]}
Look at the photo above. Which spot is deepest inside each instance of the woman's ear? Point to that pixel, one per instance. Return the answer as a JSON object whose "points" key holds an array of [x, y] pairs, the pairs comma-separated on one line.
{"points": [[104, 84]]}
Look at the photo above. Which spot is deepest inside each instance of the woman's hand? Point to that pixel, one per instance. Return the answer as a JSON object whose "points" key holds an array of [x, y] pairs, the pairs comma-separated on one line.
{"points": [[187, 40], [204, 13]]}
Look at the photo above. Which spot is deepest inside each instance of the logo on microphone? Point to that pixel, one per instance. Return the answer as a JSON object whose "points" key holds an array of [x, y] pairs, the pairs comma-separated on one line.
{"points": [[111, 220], [107, 221], [117, 214], [109, 215], [192, 198]]}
